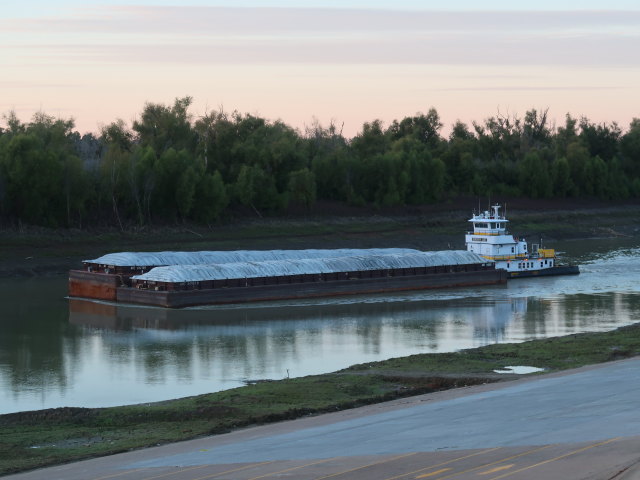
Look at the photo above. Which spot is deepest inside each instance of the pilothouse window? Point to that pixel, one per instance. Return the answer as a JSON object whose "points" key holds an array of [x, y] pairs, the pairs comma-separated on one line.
{"points": [[481, 225]]}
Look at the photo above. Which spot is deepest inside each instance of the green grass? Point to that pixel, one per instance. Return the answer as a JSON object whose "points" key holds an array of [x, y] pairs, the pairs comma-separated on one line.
{"points": [[46, 437], [551, 354]]}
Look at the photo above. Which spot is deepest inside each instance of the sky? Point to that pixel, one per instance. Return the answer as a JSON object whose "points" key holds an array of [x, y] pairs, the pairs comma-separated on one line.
{"points": [[341, 61]]}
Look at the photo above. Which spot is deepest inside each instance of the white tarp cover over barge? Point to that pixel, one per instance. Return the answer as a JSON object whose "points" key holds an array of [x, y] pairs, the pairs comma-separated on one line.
{"points": [[124, 262], [292, 266], [246, 276], [187, 285]]}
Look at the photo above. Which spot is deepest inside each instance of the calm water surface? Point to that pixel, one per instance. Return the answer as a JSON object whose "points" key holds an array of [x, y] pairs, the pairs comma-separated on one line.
{"points": [[55, 352]]}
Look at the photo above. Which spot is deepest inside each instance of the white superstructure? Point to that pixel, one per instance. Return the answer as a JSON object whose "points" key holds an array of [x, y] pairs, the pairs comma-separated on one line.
{"points": [[491, 240]]}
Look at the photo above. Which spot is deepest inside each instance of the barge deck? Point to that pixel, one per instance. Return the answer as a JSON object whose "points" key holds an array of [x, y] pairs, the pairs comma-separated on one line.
{"points": [[364, 272]]}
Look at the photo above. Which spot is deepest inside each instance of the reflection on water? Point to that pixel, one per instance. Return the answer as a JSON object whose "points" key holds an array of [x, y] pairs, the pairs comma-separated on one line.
{"points": [[55, 352]]}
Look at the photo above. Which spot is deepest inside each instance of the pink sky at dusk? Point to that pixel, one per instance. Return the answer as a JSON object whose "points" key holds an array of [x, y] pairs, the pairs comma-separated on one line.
{"points": [[349, 65]]}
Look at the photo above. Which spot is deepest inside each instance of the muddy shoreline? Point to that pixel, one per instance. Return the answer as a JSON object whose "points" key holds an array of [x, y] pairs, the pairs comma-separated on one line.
{"points": [[37, 252]]}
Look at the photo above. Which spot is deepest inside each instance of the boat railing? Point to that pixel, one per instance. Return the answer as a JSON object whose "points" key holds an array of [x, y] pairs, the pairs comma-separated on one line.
{"points": [[489, 234], [505, 257]]}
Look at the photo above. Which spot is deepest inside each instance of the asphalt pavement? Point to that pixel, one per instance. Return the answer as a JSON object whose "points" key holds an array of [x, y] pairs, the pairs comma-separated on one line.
{"points": [[579, 424]]}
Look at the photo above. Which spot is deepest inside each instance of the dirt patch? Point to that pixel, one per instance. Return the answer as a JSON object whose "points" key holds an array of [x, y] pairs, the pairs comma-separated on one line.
{"points": [[73, 415], [72, 443]]}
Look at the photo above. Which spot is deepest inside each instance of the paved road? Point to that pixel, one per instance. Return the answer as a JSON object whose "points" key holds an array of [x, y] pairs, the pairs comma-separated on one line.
{"points": [[583, 424]]}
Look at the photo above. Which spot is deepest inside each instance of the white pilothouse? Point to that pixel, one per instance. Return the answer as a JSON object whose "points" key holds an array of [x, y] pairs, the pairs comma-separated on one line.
{"points": [[491, 240]]}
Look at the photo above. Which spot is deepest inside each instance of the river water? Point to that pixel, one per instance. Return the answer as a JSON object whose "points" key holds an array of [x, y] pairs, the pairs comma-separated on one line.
{"points": [[55, 352]]}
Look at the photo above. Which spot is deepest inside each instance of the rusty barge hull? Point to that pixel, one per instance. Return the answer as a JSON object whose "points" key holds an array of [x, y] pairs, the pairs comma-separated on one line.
{"points": [[116, 288], [257, 293], [96, 286]]}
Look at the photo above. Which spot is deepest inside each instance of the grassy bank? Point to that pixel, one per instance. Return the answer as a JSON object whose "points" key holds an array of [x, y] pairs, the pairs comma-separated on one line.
{"points": [[33, 439]]}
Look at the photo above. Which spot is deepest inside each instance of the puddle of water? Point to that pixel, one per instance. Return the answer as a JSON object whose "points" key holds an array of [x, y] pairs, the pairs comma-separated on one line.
{"points": [[520, 370]]}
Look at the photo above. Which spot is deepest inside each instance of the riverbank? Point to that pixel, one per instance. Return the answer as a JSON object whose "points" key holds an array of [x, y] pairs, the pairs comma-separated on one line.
{"points": [[36, 251], [46, 437]]}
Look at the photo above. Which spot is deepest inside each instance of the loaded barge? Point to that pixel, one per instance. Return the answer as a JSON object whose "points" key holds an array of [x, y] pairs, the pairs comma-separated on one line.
{"points": [[183, 279], [156, 279]]}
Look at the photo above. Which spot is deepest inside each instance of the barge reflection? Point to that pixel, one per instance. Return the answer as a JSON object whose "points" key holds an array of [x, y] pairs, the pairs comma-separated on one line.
{"points": [[485, 319], [488, 317]]}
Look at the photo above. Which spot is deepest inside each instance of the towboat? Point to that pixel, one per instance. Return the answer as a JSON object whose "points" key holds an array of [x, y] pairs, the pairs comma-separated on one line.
{"points": [[491, 240]]}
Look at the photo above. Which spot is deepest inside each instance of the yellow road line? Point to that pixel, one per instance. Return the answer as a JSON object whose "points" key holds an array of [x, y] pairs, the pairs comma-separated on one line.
{"points": [[497, 469], [496, 462], [368, 465], [556, 458], [433, 474], [246, 467], [291, 469], [120, 474], [197, 467], [444, 463], [148, 468]]}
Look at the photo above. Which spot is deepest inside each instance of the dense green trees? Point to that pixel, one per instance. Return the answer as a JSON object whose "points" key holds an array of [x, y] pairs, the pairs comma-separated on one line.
{"points": [[169, 167], [42, 178]]}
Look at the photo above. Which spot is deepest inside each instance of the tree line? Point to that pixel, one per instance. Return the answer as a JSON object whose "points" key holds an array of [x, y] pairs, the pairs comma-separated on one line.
{"points": [[170, 167]]}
